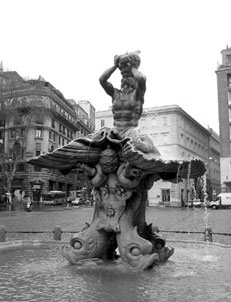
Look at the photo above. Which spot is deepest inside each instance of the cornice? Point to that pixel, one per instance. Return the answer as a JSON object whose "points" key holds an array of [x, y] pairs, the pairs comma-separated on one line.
{"points": [[223, 68], [27, 89], [173, 109]]}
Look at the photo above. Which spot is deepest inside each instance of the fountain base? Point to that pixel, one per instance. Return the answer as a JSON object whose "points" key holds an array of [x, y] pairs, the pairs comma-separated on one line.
{"points": [[40, 273]]}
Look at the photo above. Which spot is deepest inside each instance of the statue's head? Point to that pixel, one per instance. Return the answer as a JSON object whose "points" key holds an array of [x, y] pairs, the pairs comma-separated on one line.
{"points": [[127, 61]]}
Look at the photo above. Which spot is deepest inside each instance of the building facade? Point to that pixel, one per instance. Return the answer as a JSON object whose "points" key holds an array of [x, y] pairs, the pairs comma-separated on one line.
{"points": [[37, 117], [178, 137], [90, 110], [224, 109]]}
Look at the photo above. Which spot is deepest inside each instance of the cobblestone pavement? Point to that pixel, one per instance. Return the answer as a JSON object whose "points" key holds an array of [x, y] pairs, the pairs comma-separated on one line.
{"points": [[73, 219]]}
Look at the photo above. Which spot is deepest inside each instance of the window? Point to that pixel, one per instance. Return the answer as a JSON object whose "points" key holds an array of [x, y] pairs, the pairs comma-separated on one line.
{"points": [[52, 105], [23, 132], [37, 152], [165, 121], [102, 123], [228, 59], [229, 80], [230, 114], [229, 97], [12, 133], [38, 132], [181, 138], [23, 153], [1, 134], [165, 195], [53, 123]]}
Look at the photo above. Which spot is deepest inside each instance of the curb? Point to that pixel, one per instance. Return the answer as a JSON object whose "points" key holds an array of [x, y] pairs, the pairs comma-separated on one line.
{"points": [[207, 243], [28, 244], [24, 244]]}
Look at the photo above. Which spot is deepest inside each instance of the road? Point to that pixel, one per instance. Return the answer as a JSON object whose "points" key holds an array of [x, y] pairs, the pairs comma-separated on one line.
{"points": [[169, 221]]}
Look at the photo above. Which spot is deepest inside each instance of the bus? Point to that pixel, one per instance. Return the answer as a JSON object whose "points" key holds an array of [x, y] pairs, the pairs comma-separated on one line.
{"points": [[54, 198]]}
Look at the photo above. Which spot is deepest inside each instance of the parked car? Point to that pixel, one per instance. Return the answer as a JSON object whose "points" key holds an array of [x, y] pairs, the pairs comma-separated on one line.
{"points": [[76, 201], [196, 203], [80, 201]]}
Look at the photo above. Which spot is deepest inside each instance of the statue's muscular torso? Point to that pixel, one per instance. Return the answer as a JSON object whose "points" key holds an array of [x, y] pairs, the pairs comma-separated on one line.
{"points": [[126, 108]]}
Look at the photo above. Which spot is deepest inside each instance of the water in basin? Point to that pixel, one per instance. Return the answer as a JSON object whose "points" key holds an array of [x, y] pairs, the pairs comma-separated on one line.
{"points": [[193, 273]]}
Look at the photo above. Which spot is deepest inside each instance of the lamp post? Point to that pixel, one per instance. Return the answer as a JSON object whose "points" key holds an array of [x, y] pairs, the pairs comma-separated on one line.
{"points": [[8, 194]]}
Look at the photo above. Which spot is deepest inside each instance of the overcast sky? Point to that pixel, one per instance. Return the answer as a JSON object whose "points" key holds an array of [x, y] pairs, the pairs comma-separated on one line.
{"points": [[71, 42]]}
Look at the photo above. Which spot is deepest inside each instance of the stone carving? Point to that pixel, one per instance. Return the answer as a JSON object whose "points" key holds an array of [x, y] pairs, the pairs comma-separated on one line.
{"points": [[122, 166]]}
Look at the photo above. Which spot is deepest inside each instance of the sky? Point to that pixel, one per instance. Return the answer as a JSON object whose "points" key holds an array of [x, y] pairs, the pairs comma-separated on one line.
{"points": [[70, 43]]}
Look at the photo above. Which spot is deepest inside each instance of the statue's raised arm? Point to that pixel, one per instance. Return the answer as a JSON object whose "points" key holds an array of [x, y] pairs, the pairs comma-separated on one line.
{"points": [[107, 86]]}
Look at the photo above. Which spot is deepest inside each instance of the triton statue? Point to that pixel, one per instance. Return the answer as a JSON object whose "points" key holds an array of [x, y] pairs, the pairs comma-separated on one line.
{"points": [[122, 166]]}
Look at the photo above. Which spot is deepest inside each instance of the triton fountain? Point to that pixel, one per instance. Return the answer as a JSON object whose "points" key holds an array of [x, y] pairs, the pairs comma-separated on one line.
{"points": [[122, 166], [114, 253]]}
